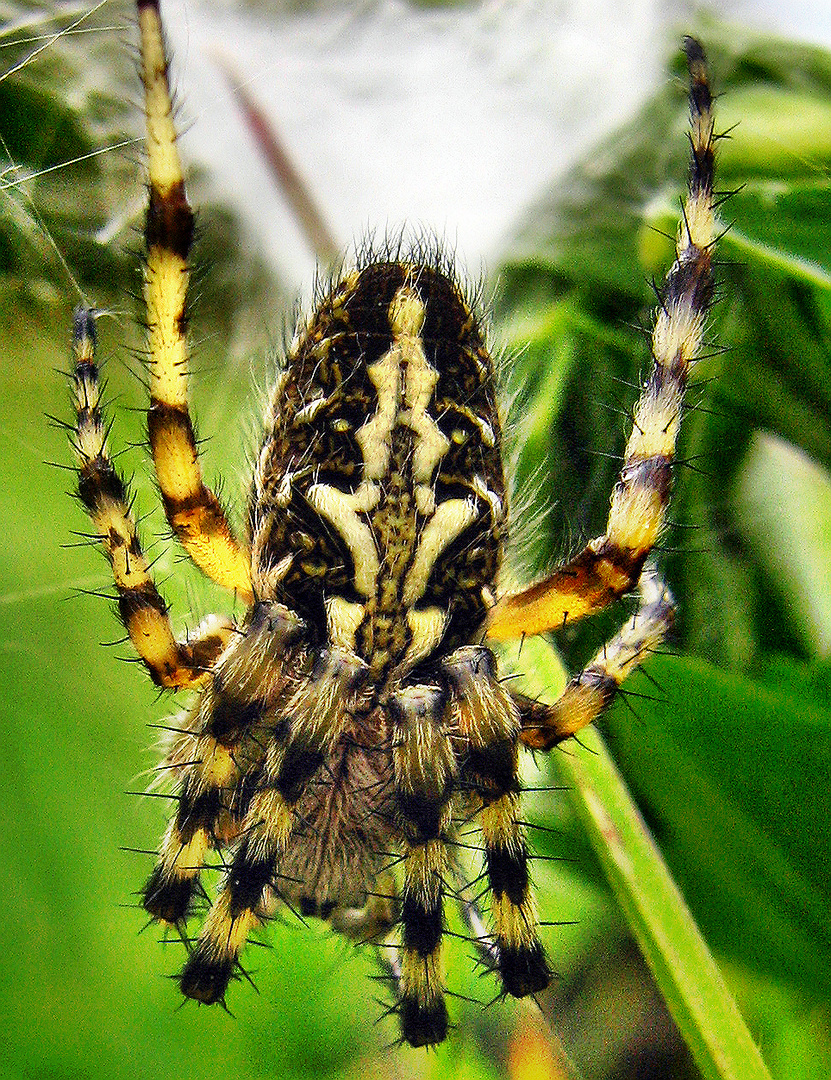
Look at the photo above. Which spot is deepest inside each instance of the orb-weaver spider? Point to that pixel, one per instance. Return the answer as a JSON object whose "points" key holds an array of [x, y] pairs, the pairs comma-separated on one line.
{"points": [[341, 731]]}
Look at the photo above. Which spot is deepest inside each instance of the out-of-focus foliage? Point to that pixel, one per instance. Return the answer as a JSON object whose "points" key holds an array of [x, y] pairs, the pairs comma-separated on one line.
{"points": [[66, 160]]}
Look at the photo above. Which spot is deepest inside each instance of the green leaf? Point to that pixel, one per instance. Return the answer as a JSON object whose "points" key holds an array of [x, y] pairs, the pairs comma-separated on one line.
{"points": [[733, 772], [686, 973], [784, 509]]}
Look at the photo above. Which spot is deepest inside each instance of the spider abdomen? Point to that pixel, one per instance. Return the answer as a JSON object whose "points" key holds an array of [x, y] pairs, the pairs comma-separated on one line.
{"points": [[378, 501], [333, 859]]}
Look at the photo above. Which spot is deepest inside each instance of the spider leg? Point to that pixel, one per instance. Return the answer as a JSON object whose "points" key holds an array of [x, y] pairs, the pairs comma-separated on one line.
{"points": [[171, 663], [222, 744], [591, 691], [310, 722], [610, 565], [193, 511], [424, 768], [488, 720]]}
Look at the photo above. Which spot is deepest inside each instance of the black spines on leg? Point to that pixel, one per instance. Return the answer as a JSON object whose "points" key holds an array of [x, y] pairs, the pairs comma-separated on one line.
{"points": [[523, 967], [491, 771], [508, 872], [205, 977], [168, 898], [247, 878], [169, 224], [83, 327], [211, 965], [691, 280], [198, 810], [133, 602], [247, 788], [652, 474], [424, 777], [231, 716], [422, 926], [524, 970], [487, 720], [298, 766], [99, 483], [169, 892], [702, 167], [423, 1024], [421, 814]]}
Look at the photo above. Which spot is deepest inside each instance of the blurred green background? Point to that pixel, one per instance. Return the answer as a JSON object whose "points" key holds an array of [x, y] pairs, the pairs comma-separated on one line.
{"points": [[727, 746]]}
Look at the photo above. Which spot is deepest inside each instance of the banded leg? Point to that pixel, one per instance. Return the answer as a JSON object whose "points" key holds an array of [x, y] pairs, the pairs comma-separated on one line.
{"points": [[610, 565], [171, 663], [311, 722], [488, 720], [193, 511], [224, 742], [590, 693], [521, 958], [191, 833], [424, 767]]}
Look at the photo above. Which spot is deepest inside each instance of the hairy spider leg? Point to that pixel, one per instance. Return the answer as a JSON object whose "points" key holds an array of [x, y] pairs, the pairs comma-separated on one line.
{"points": [[193, 511], [221, 745], [425, 769], [104, 494], [591, 691], [488, 720], [304, 729], [610, 565]]}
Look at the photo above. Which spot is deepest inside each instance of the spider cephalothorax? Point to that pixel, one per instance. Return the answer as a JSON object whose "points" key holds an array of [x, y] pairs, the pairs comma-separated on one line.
{"points": [[342, 731]]}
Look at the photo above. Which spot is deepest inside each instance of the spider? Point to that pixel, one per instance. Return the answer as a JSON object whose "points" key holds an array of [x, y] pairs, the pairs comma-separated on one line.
{"points": [[353, 721]]}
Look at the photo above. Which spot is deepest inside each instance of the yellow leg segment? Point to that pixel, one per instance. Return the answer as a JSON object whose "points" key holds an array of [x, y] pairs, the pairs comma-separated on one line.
{"points": [[171, 663], [611, 564], [520, 956], [590, 693], [193, 511]]}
